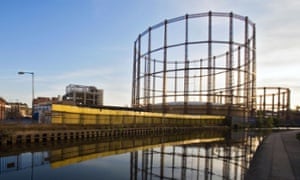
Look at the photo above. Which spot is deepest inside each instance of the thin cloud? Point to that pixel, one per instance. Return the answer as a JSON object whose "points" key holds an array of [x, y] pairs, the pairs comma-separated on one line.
{"points": [[78, 74], [116, 86]]}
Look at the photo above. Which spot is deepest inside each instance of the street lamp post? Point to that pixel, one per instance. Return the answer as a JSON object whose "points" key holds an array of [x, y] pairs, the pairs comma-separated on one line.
{"points": [[32, 76]]}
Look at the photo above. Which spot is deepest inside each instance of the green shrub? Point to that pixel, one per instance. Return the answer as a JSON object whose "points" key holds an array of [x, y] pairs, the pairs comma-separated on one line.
{"points": [[269, 122]]}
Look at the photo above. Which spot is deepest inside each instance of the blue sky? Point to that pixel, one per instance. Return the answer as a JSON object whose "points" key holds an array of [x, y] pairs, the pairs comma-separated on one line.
{"points": [[90, 42]]}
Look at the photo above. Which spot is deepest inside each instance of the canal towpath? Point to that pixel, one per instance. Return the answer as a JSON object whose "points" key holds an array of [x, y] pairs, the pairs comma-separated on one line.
{"points": [[278, 157]]}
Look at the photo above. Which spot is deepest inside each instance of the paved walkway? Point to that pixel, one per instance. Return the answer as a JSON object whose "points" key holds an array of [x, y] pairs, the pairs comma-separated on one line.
{"points": [[278, 157]]}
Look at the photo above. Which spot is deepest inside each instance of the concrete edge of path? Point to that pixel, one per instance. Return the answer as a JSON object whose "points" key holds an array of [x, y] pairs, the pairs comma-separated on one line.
{"points": [[278, 157]]}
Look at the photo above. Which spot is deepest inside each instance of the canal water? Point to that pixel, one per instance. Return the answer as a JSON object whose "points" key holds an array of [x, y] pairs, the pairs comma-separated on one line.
{"points": [[210, 154]]}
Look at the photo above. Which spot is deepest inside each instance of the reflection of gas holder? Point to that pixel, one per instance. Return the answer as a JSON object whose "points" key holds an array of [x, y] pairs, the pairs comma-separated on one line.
{"points": [[194, 161]]}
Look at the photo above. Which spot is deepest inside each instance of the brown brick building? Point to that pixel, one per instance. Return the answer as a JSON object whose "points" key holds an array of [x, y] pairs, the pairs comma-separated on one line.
{"points": [[2, 109]]}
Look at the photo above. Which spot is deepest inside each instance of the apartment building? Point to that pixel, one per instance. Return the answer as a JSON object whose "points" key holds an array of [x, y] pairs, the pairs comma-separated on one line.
{"points": [[84, 95]]}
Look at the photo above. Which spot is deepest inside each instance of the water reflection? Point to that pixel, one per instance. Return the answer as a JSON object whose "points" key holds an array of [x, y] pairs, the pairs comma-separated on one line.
{"points": [[210, 160], [204, 155]]}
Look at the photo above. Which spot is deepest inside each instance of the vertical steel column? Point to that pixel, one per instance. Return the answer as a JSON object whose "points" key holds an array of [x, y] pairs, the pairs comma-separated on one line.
{"points": [[214, 79], [144, 175], [184, 163], [260, 107], [239, 76], [230, 59], [134, 77], [246, 61], [264, 102], [209, 62], [200, 83], [229, 67], [206, 164], [278, 103], [288, 102], [283, 110], [173, 162], [175, 83], [138, 72], [164, 68], [149, 69], [153, 86], [244, 154], [253, 98], [145, 75], [211, 162], [133, 165], [221, 97], [146, 158], [227, 85], [186, 67], [198, 163], [273, 104], [162, 161], [151, 163], [226, 162], [236, 159]]}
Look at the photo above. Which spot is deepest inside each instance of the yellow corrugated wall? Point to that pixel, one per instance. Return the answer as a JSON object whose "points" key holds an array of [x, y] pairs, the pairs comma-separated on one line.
{"points": [[68, 114]]}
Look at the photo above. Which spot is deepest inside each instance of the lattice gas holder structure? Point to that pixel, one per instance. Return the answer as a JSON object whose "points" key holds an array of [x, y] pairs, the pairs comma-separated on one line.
{"points": [[195, 64]]}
